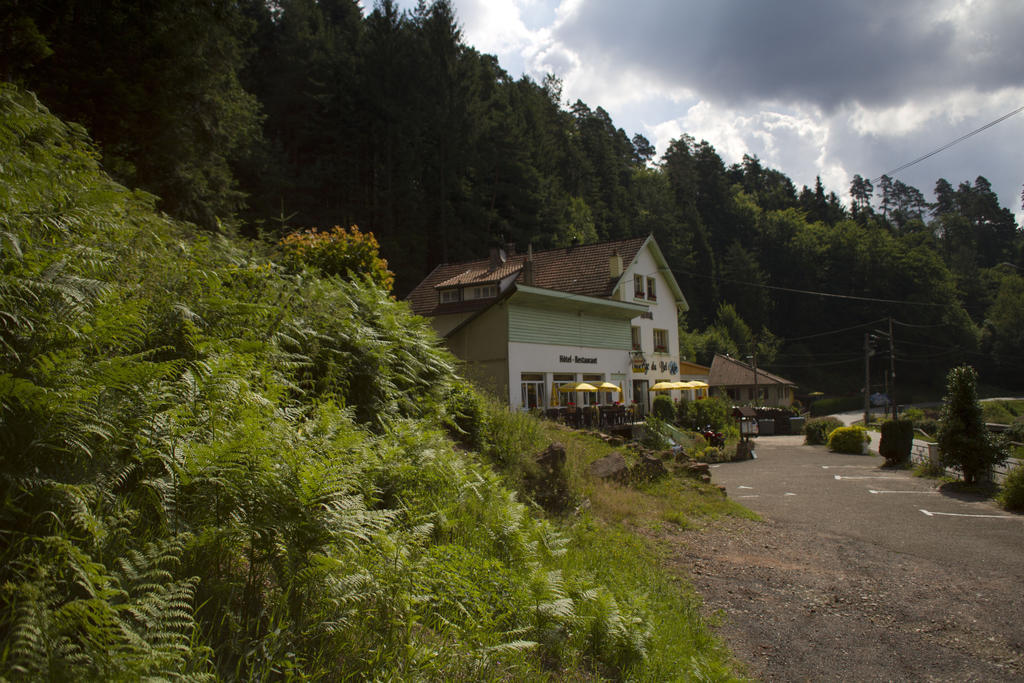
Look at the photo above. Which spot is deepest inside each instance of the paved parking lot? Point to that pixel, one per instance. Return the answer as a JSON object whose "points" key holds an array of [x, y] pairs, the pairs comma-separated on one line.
{"points": [[860, 573]]}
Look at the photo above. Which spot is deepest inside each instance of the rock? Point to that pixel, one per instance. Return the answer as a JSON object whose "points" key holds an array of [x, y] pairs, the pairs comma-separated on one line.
{"points": [[649, 468], [550, 485], [612, 466], [553, 457], [696, 470]]}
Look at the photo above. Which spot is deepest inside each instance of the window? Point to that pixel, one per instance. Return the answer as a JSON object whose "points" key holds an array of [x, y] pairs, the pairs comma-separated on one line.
{"points": [[651, 290], [449, 296], [661, 341], [559, 398], [636, 338], [484, 292], [638, 286], [532, 385], [592, 398]]}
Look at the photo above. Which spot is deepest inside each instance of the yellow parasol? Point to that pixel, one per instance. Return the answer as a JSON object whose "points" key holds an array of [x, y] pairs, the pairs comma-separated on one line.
{"points": [[664, 386], [577, 386], [608, 386]]}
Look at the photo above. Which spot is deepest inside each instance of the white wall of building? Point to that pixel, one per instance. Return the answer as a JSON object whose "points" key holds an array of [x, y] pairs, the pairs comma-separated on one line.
{"points": [[550, 360], [664, 315]]}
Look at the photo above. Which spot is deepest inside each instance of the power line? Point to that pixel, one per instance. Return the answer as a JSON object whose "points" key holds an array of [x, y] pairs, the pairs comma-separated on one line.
{"points": [[825, 334], [948, 145], [811, 292]]}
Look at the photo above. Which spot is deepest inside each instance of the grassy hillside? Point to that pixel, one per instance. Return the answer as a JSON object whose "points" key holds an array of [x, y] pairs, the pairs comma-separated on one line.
{"points": [[217, 467]]}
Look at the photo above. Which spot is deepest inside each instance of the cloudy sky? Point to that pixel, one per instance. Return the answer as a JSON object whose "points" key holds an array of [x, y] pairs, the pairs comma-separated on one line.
{"points": [[831, 88]]}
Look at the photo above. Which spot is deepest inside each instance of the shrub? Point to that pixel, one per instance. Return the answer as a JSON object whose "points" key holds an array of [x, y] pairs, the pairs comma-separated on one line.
{"points": [[707, 411], [466, 416], [897, 440], [711, 455], [1012, 495], [655, 435], [827, 406], [848, 440], [349, 253], [664, 409], [817, 429], [964, 442]]}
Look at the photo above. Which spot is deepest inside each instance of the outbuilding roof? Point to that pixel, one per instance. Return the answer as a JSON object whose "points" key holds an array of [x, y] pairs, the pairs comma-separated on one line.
{"points": [[729, 372]]}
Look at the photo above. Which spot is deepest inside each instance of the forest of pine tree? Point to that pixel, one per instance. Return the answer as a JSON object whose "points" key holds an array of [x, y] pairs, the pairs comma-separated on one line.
{"points": [[263, 118]]}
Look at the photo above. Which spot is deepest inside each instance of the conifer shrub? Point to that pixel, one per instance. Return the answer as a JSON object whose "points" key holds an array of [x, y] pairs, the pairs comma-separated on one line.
{"points": [[848, 440], [896, 442], [817, 429], [964, 442]]}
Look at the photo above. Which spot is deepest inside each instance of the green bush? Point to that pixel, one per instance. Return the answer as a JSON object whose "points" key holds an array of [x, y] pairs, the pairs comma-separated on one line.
{"points": [[699, 414], [1012, 495], [896, 442], [664, 409], [466, 416], [842, 404], [817, 429], [848, 440], [655, 435], [711, 455]]}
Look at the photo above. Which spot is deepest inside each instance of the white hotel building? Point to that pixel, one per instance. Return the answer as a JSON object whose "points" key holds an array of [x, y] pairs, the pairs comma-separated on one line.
{"points": [[525, 324]]}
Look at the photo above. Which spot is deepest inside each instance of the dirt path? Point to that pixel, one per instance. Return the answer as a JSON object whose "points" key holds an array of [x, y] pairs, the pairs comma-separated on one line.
{"points": [[814, 592]]}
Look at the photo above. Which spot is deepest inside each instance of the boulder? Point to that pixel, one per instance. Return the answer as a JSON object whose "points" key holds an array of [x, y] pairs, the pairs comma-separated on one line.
{"points": [[649, 468], [695, 470], [550, 485], [612, 466]]}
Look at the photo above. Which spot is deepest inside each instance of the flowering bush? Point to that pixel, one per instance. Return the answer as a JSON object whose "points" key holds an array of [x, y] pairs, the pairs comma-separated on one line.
{"points": [[349, 253]]}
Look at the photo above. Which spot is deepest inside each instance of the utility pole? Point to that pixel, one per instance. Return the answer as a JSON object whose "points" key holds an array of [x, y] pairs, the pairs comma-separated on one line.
{"points": [[892, 370], [867, 379]]}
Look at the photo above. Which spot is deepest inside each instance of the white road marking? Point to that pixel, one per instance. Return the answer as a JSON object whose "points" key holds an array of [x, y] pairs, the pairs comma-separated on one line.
{"points": [[856, 467], [882, 477], [744, 487], [959, 514], [877, 491], [790, 494], [753, 496]]}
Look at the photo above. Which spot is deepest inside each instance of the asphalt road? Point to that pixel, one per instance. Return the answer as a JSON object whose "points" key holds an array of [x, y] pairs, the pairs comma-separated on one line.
{"points": [[857, 573], [851, 496]]}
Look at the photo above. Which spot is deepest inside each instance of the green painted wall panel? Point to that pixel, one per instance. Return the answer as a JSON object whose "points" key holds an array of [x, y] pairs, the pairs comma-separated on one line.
{"points": [[544, 326]]}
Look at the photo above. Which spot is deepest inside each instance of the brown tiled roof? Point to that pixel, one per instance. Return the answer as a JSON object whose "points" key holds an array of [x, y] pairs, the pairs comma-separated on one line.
{"points": [[728, 372], [575, 270], [484, 275]]}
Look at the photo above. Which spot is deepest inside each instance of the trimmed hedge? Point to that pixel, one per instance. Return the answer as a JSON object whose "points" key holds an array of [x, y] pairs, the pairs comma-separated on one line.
{"points": [[897, 440], [848, 440], [816, 430]]}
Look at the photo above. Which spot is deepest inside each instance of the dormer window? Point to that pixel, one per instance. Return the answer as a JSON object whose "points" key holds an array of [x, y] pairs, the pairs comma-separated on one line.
{"points": [[638, 286], [451, 296], [482, 292], [651, 289]]}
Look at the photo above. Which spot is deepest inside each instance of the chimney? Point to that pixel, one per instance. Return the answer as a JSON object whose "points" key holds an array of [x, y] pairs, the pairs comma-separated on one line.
{"points": [[615, 265], [497, 257], [526, 274], [510, 249]]}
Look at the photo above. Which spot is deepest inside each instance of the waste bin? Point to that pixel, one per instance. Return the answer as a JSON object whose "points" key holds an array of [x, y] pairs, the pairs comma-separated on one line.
{"points": [[766, 427], [796, 425]]}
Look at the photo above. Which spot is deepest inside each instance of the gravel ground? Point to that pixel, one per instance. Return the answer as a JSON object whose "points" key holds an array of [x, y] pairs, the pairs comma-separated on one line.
{"points": [[796, 600]]}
